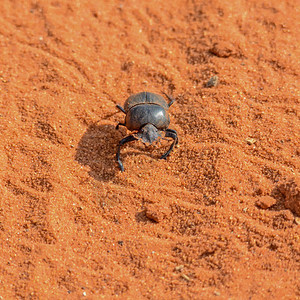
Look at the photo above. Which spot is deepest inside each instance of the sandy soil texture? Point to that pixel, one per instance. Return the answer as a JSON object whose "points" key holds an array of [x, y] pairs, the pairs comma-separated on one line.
{"points": [[219, 219]]}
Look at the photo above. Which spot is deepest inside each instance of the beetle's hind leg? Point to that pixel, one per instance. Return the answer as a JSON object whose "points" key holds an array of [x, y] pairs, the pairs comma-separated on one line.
{"points": [[121, 108], [172, 134], [172, 100], [127, 139]]}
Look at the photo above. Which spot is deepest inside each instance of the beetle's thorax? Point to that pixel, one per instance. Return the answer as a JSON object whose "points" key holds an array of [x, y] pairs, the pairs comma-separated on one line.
{"points": [[148, 134]]}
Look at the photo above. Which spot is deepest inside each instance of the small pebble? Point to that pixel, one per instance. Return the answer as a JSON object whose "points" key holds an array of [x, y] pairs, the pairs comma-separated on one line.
{"points": [[290, 189], [187, 278], [156, 212], [265, 202], [179, 268], [153, 215], [251, 141], [213, 81], [223, 49]]}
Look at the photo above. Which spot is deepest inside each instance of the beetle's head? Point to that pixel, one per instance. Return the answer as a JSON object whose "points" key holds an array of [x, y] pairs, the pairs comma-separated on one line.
{"points": [[148, 134]]}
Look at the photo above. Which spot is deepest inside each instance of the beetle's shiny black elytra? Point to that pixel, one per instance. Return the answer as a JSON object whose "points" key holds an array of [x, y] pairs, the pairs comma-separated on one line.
{"points": [[147, 114]]}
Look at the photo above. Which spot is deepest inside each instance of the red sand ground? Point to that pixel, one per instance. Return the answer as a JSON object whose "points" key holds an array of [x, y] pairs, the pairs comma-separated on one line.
{"points": [[214, 219]]}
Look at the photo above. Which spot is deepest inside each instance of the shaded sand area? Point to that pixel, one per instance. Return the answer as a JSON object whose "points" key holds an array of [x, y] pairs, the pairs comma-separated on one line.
{"points": [[218, 219]]}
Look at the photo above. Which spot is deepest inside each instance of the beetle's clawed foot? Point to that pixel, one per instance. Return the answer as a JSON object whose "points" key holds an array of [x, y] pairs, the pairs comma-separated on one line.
{"points": [[120, 165], [172, 134]]}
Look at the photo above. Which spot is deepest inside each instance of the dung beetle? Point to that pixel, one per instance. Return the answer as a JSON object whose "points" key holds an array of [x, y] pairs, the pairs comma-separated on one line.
{"points": [[146, 115]]}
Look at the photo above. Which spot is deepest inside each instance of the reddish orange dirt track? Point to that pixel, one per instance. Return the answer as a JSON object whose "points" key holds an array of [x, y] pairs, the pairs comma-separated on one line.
{"points": [[218, 219]]}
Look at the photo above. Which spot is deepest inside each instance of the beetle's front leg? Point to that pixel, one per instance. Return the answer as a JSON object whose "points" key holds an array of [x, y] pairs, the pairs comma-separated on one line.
{"points": [[172, 134], [127, 139]]}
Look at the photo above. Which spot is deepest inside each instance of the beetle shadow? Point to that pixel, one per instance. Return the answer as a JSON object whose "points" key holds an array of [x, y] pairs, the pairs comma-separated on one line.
{"points": [[96, 149]]}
